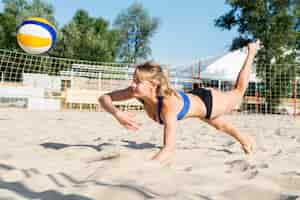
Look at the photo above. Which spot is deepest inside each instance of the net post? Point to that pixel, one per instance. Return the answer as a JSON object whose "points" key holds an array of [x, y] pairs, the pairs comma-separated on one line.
{"points": [[256, 99], [199, 68], [257, 102], [295, 97], [192, 77]]}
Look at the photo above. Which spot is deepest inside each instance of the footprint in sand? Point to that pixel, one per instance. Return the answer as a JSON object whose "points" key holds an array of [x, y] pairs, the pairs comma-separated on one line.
{"points": [[289, 196], [4, 119], [242, 166], [291, 173]]}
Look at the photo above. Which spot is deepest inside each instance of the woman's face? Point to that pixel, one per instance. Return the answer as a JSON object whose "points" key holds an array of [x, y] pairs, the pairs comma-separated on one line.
{"points": [[142, 88]]}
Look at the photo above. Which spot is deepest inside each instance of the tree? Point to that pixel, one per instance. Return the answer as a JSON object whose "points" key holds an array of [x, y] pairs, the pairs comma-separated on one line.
{"points": [[15, 8], [9, 22], [15, 11], [136, 27], [297, 27], [8, 32], [273, 22], [42, 9], [88, 38]]}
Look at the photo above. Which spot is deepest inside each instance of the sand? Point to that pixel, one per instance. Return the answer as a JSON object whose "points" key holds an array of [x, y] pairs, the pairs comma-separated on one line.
{"points": [[88, 155]]}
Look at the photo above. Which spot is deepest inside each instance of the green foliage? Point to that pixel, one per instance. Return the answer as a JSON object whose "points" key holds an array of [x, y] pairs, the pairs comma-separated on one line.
{"points": [[15, 11], [8, 32], [137, 27], [297, 26], [88, 38], [273, 22], [21, 9], [84, 37], [15, 8]]}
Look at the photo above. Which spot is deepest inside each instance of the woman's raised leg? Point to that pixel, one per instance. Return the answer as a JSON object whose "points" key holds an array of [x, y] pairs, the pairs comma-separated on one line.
{"points": [[224, 102]]}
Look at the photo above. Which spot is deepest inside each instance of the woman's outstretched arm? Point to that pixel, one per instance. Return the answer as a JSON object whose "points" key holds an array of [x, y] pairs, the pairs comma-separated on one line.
{"points": [[125, 119], [119, 95]]}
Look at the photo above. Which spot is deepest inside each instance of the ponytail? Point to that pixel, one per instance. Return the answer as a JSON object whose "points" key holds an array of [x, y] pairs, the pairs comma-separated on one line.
{"points": [[164, 88]]}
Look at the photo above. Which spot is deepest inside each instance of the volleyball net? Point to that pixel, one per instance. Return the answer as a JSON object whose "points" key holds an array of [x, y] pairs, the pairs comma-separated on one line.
{"points": [[51, 83], [41, 82]]}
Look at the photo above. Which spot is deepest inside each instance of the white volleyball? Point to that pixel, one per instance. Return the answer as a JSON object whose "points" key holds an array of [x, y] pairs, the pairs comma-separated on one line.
{"points": [[36, 35]]}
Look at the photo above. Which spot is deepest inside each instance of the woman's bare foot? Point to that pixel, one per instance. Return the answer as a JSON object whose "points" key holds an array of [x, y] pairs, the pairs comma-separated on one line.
{"points": [[248, 146], [253, 47]]}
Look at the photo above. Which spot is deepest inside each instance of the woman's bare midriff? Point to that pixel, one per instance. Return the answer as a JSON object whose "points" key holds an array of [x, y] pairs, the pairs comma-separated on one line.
{"points": [[197, 107]]}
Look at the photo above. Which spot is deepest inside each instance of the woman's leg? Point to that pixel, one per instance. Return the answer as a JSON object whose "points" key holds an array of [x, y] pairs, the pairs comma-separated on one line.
{"points": [[242, 81], [224, 102], [220, 124]]}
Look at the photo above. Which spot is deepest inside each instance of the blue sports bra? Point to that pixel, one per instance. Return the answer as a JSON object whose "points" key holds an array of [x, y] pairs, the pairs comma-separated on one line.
{"points": [[184, 110]]}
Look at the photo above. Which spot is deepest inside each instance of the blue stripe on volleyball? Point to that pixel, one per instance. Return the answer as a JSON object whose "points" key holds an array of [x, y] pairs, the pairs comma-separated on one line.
{"points": [[46, 26]]}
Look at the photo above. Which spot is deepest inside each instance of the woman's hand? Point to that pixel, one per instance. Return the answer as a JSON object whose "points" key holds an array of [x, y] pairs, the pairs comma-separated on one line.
{"points": [[164, 155], [127, 120]]}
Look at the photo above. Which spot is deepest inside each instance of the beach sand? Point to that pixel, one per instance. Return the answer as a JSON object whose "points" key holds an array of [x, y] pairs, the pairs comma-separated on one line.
{"points": [[88, 155]]}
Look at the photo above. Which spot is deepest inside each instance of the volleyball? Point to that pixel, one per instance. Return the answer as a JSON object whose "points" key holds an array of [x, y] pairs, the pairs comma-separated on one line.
{"points": [[36, 35]]}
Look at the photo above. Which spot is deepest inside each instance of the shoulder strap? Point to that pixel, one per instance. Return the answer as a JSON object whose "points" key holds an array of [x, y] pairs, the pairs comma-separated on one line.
{"points": [[160, 101]]}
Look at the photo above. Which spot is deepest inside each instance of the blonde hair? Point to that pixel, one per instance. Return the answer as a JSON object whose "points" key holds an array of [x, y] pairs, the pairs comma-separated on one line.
{"points": [[153, 71]]}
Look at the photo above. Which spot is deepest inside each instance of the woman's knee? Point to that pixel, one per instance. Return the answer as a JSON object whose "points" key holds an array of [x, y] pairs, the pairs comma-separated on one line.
{"points": [[238, 94], [240, 91], [220, 127]]}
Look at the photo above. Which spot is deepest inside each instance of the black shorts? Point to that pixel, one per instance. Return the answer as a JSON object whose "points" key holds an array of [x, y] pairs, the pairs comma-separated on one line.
{"points": [[206, 96]]}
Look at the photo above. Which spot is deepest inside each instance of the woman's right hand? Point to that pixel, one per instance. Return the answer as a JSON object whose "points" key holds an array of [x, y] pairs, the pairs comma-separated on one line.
{"points": [[127, 120]]}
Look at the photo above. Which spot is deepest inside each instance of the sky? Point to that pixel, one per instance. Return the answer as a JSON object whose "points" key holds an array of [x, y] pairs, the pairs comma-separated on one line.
{"points": [[186, 34]]}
